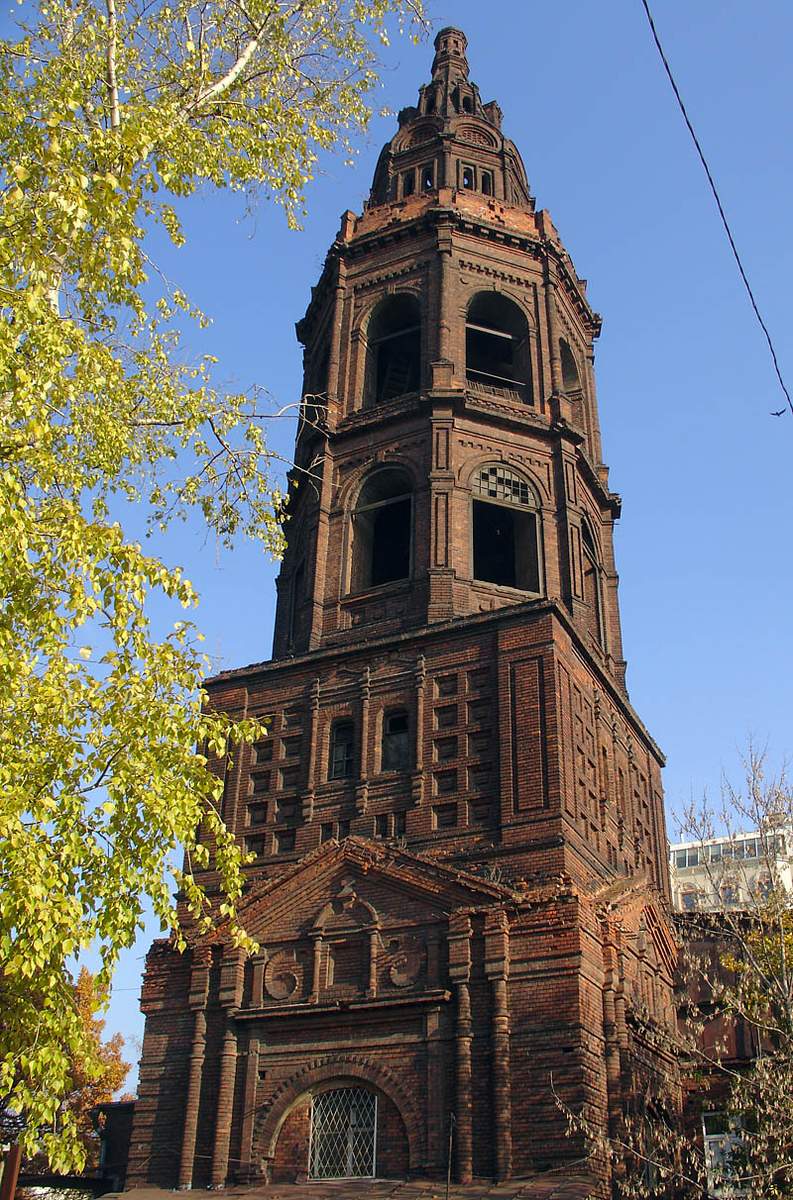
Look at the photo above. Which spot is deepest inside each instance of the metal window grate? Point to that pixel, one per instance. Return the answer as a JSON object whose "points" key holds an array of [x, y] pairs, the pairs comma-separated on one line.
{"points": [[343, 1129], [497, 483]]}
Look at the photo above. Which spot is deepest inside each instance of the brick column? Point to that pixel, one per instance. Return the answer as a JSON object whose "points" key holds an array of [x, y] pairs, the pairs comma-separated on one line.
{"points": [[460, 972], [231, 979], [308, 799], [417, 783], [362, 790], [199, 988], [249, 1110], [497, 971]]}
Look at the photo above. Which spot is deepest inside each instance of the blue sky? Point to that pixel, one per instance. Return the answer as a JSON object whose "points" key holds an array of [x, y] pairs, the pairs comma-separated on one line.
{"points": [[685, 382]]}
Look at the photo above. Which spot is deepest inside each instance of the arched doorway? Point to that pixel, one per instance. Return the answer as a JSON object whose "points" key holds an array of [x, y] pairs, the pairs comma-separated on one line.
{"points": [[340, 1130], [343, 1134]]}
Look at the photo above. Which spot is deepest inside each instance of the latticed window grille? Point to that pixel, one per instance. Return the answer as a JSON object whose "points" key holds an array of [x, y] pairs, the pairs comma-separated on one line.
{"points": [[343, 1132], [498, 483]]}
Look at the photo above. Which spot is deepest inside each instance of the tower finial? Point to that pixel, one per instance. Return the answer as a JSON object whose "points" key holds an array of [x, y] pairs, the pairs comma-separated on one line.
{"points": [[450, 62]]}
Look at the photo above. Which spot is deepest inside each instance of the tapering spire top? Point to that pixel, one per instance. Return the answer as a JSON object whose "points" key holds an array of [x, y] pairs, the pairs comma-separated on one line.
{"points": [[450, 64]]}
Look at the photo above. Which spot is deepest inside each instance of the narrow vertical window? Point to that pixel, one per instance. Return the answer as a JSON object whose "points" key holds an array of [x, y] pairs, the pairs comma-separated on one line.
{"points": [[428, 177], [396, 746], [381, 530], [408, 183], [394, 349], [486, 183], [591, 584], [342, 744], [468, 178]]}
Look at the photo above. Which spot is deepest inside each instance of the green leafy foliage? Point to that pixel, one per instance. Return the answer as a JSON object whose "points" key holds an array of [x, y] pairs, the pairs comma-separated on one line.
{"points": [[109, 113]]}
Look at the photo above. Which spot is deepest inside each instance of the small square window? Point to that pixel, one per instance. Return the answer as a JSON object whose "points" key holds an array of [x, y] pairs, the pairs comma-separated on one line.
{"points": [[445, 748], [257, 814], [479, 743], [290, 747], [288, 781], [445, 816], [480, 813], [285, 841], [445, 783], [446, 717], [292, 719], [263, 751], [446, 685], [478, 710], [260, 782], [255, 845], [688, 901]]}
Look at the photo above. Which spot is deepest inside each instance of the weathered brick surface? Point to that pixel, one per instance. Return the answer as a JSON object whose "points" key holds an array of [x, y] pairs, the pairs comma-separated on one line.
{"points": [[484, 927]]}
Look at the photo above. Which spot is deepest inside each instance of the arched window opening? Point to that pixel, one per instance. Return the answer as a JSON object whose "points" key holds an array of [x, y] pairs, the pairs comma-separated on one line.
{"points": [[396, 746], [505, 530], [468, 178], [381, 530], [408, 184], [570, 377], [343, 1134], [428, 177], [591, 584], [497, 345], [394, 349], [487, 183], [342, 747]]}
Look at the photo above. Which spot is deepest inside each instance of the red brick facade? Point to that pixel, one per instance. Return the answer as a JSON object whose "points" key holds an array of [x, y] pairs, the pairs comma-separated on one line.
{"points": [[460, 882]]}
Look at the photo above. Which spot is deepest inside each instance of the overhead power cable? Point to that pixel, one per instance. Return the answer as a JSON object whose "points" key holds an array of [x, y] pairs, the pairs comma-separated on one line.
{"points": [[720, 207]]}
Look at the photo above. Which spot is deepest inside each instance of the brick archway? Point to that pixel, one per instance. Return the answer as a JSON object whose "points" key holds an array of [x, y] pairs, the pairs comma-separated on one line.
{"points": [[342, 1069]]}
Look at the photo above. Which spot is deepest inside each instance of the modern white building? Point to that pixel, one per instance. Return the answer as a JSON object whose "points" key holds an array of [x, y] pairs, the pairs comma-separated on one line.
{"points": [[734, 872]]}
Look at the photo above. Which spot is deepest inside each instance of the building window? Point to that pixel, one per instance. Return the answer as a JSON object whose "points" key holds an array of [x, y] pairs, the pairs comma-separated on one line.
{"points": [[445, 816], [486, 183], [497, 345], [326, 831], [505, 530], [381, 825], [284, 841], [571, 381], [342, 739], [343, 1134], [688, 901], [428, 177], [394, 349], [400, 824], [591, 570], [381, 530], [468, 178], [396, 748], [408, 184], [344, 830]]}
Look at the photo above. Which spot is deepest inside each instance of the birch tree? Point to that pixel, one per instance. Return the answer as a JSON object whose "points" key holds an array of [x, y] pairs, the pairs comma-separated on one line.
{"points": [[110, 112]]}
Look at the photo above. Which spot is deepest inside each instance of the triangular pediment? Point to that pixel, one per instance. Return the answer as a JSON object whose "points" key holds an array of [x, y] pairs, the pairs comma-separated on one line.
{"points": [[358, 884]]}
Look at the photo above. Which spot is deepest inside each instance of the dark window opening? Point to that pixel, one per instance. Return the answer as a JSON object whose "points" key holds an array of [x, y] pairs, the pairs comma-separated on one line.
{"points": [[394, 358], [591, 585], [408, 184], [396, 747], [344, 829], [381, 825], [496, 344], [257, 814], [255, 845], [381, 531], [571, 381], [428, 177], [431, 101], [326, 831], [400, 824], [468, 104], [469, 178], [342, 741], [487, 183], [505, 547]]}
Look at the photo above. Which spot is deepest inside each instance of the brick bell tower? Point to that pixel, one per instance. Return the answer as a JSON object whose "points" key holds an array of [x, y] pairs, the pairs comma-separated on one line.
{"points": [[460, 883]]}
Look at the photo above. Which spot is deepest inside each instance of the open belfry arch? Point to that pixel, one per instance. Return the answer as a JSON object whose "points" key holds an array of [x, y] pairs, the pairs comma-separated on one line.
{"points": [[460, 885]]}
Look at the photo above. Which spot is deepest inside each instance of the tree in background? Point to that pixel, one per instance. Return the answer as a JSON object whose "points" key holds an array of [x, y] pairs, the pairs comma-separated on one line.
{"points": [[93, 1079], [735, 994], [109, 112]]}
